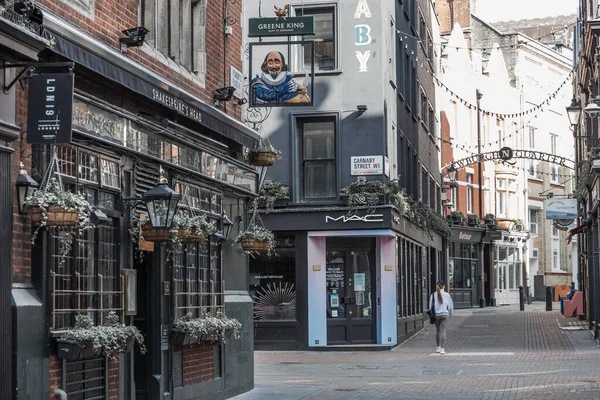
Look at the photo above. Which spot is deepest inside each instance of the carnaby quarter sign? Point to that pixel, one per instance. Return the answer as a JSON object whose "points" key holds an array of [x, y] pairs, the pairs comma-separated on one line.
{"points": [[506, 154]]}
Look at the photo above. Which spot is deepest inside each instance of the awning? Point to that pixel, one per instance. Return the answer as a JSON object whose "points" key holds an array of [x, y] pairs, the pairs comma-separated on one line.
{"points": [[100, 58], [575, 231]]}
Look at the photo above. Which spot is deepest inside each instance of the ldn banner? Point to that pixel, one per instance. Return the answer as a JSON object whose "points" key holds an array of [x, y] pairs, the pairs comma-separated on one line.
{"points": [[50, 110]]}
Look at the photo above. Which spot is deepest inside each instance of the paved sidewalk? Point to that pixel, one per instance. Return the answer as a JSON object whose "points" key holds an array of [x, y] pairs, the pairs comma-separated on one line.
{"points": [[493, 353]]}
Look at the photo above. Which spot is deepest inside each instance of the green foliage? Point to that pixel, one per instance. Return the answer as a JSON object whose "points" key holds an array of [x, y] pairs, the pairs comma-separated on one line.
{"points": [[369, 194], [586, 175], [258, 233], [269, 194], [207, 327], [55, 195], [267, 148], [109, 339]]}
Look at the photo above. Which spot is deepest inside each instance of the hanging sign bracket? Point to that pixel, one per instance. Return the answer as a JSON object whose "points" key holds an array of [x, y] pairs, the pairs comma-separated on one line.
{"points": [[30, 67]]}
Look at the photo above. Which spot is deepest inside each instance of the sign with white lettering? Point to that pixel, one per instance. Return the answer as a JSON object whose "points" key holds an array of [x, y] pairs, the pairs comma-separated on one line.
{"points": [[290, 26], [236, 79], [174, 103], [366, 165], [561, 208], [50, 109], [355, 218], [470, 236]]}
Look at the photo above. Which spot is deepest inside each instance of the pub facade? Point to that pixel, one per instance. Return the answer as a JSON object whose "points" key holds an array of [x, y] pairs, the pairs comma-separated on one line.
{"points": [[133, 128]]}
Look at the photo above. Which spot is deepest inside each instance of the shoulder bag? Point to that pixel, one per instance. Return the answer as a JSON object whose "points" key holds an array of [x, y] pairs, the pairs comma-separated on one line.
{"points": [[431, 311]]}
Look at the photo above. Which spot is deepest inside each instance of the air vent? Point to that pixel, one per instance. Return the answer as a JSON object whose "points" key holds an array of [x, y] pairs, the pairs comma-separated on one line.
{"points": [[177, 369]]}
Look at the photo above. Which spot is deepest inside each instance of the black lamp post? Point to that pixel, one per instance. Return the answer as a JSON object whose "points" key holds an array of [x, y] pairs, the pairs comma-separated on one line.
{"points": [[452, 175], [25, 187], [161, 203], [574, 112], [227, 226]]}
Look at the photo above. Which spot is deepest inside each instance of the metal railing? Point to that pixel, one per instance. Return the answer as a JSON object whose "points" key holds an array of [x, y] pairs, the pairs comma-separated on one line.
{"points": [[22, 13]]}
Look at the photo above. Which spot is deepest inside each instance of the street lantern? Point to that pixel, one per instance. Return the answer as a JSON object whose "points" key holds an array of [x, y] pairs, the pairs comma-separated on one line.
{"points": [[227, 226], [574, 112], [25, 187], [161, 203], [592, 109], [452, 173]]}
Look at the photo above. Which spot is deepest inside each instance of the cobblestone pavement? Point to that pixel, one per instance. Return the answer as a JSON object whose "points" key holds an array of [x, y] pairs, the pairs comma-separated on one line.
{"points": [[493, 353]]}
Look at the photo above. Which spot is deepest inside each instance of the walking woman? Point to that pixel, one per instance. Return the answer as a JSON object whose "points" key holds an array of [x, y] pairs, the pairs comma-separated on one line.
{"points": [[443, 311]]}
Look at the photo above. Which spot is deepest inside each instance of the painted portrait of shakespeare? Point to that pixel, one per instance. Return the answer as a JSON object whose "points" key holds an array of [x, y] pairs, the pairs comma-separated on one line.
{"points": [[275, 85]]}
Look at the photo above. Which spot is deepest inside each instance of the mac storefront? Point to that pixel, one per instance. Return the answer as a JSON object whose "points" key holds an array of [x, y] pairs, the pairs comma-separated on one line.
{"points": [[340, 279]]}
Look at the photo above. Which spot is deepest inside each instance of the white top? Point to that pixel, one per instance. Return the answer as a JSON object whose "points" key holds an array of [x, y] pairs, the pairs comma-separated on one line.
{"points": [[447, 306]]}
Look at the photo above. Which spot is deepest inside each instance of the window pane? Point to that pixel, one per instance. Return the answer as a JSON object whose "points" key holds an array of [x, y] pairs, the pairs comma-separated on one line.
{"points": [[319, 179], [324, 30], [319, 140], [110, 174]]}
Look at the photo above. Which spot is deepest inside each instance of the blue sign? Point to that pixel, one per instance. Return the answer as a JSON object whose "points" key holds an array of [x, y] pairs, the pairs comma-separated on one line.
{"points": [[561, 208]]}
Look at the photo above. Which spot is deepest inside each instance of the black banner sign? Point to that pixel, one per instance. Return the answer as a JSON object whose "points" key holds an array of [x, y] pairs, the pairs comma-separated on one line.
{"points": [[50, 110]]}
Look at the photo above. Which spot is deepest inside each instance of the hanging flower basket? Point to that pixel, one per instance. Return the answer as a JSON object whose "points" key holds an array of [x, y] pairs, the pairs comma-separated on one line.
{"points": [[251, 244], [152, 234], [262, 159], [57, 216], [505, 224], [192, 237]]}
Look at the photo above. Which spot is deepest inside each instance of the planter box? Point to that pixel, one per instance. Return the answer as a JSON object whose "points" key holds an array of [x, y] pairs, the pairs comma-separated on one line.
{"points": [[472, 222], [457, 220], [129, 346], [181, 338], [505, 224], [57, 216], [70, 350]]}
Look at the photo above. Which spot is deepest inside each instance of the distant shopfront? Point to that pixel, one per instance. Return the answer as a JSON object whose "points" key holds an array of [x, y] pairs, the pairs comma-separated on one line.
{"points": [[340, 279], [464, 266]]}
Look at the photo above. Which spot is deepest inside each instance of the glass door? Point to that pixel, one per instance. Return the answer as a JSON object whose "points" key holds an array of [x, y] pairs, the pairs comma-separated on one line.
{"points": [[349, 287]]}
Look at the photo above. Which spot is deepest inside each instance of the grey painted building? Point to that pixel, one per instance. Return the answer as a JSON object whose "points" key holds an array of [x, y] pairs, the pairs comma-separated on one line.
{"points": [[338, 278]]}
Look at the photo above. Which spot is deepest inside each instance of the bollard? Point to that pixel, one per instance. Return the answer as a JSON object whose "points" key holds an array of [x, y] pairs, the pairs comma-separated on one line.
{"points": [[528, 297], [521, 299], [548, 298]]}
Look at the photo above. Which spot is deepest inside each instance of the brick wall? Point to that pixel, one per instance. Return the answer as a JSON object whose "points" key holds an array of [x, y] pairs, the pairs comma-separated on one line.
{"points": [[55, 369], [462, 14], [198, 363], [55, 372], [113, 16]]}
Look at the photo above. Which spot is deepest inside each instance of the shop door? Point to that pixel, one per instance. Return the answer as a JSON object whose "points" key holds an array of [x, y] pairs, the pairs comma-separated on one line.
{"points": [[350, 298]]}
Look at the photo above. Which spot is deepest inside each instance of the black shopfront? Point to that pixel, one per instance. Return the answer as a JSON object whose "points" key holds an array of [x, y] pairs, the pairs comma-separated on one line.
{"points": [[342, 280], [466, 264]]}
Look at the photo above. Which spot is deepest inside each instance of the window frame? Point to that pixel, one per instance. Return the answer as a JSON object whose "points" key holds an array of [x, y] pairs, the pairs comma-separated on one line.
{"points": [[333, 9], [110, 289], [469, 194], [300, 163], [533, 221]]}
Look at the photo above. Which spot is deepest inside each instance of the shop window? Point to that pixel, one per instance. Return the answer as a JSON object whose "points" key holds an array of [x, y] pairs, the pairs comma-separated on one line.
{"points": [[325, 46], [177, 30], [88, 280], [319, 166], [273, 282]]}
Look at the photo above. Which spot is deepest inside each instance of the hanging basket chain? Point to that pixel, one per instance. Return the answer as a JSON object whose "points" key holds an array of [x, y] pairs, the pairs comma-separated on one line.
{"points": [[50, 171]]}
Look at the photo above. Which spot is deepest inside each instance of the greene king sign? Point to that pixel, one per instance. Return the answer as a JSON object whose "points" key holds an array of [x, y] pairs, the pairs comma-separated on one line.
{"points": [[291, 26]]}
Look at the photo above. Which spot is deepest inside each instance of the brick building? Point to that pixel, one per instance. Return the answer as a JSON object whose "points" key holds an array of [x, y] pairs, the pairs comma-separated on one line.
{"points": [[529, 75], [136, 110]]}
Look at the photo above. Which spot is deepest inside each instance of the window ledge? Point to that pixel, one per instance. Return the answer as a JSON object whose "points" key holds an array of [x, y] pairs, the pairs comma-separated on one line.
{"points": [[534, 178], [321, 73]]}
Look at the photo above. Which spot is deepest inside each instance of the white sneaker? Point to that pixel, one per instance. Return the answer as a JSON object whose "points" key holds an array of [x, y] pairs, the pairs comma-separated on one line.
{"points": [[442, 351], [438, 349]]}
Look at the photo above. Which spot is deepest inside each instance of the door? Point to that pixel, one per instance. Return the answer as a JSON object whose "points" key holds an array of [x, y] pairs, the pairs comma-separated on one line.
{"points": [[350, 284]]}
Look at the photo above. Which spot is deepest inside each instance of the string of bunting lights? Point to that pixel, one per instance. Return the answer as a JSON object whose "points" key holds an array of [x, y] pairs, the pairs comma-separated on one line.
{"points": [[483, 49], [536, 109]]}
